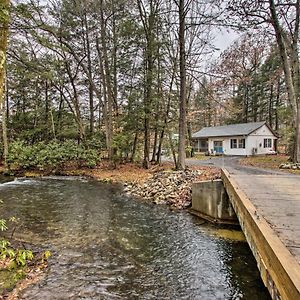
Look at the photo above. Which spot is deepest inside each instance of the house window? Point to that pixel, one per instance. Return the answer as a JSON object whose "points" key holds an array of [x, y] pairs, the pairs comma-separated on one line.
{"points": [[237, 143], [267, 143], [233, 143], [242, 143], [201, 146]]}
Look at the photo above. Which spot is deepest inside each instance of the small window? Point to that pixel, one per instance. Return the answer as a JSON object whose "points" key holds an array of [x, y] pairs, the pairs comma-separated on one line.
{"points": [[237, 143], [242, 143], [267, 143], [203, 144], [233, 143]]}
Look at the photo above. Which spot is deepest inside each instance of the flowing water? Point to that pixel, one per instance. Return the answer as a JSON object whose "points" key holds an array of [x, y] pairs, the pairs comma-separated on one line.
{"points": [[108, 246]]}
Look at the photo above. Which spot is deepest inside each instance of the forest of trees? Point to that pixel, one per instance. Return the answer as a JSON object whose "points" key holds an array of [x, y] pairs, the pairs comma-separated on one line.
{"points": [[121, 78]]}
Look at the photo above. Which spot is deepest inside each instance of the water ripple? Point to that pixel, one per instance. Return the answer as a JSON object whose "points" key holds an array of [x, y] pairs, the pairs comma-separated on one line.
{"points": [[107, 246]]}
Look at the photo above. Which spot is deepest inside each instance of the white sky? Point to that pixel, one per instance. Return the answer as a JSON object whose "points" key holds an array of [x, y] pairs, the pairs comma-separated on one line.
{"points": [[225, 39]]}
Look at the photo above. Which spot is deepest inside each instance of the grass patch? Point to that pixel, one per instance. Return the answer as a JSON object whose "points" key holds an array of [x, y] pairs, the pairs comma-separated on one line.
{"points": [[8, 280]]}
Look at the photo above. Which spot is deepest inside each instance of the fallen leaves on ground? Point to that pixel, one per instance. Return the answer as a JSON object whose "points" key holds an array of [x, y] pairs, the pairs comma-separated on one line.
{"points": [[267, 162], [122, 173], [33, 273], [33, 276], [134, 173]]}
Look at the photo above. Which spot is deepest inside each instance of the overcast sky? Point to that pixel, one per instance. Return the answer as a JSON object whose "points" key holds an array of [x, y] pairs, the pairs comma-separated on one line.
{"points": [[225, 39]]}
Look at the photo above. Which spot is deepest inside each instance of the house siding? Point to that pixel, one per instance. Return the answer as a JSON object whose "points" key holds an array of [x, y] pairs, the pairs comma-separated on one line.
{"points": [[253, 141], [256, 140], [227, 145]]}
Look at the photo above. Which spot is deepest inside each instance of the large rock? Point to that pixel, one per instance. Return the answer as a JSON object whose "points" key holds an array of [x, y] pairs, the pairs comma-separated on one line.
{"points": [[292, 166]]}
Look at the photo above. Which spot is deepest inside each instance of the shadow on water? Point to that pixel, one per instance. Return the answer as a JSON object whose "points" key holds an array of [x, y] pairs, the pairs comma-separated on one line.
{"points": [[108, 246], [4, 178]]}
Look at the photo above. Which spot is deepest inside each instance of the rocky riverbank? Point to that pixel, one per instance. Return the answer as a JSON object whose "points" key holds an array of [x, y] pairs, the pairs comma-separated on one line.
{"points": [[160, 184], [172, 188]]}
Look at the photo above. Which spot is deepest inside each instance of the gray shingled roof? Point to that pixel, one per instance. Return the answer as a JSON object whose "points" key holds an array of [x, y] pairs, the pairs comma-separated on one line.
{"points": [[228, 130]]}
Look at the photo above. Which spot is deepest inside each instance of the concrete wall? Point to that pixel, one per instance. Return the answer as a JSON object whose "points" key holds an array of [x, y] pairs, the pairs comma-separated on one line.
{"points": [[210, 201]]}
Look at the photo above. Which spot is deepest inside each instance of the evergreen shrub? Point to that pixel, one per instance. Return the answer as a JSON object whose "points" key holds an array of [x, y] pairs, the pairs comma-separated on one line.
{"points": [[54, 154]]}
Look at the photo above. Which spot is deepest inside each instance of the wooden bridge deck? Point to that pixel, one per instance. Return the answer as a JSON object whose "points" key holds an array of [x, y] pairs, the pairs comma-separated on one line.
{"points": [[268, 209]]}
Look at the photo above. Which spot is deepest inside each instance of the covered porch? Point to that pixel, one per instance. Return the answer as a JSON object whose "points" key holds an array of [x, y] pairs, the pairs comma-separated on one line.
{"points": [[200, 145]]}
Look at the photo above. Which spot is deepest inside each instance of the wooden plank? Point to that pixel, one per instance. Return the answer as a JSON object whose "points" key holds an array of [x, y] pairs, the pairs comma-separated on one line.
{"points": [[296, 252], [279, 269]]}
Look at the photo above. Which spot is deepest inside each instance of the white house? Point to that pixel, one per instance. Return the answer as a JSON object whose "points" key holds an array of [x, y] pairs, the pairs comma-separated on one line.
{"points": [[236, 139]]}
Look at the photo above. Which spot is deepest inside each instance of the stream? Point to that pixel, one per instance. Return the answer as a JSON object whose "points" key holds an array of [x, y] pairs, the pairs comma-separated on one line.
{"points": [[108, 246]]}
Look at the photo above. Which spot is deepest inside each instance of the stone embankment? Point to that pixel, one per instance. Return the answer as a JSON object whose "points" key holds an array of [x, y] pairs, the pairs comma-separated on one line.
{"points": [[173, 188]]}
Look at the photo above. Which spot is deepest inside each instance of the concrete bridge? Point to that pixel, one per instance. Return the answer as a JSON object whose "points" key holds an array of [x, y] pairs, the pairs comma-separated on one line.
{"points": [[267, 207]]}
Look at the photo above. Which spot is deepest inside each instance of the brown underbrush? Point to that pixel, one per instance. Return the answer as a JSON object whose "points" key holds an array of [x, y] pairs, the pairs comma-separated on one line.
{"points": [[268, 162], [120, 173]]}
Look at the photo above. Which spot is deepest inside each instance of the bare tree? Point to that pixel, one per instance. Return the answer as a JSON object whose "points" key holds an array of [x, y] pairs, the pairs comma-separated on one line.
{"points": [[283, 17], [108, 82], [182, 97], [4, 20], [148, 20]]}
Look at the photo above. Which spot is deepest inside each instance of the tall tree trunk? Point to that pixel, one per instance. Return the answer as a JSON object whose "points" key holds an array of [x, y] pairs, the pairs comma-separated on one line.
{"points": [[277, 105], [245, 104], [104, 88], [52, 123], [182, 99], [154, 144], [134, 147], [4, 131], [47, 106], [75, 101], [108, 83], [270, 108], [172, 147], [166, 115], [161, 139], [89, 67], [188, 123], [3, 44], [288, 66], [148, 25], [60, 112], [46, 100], [159, 99], [115, 70], [148, 94], [5, 17]]}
